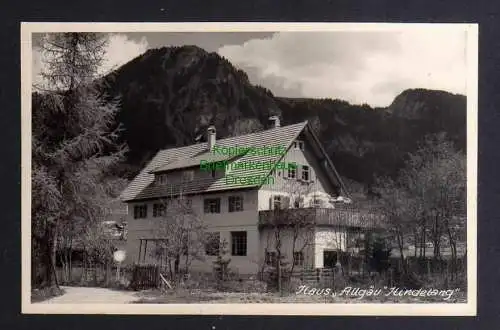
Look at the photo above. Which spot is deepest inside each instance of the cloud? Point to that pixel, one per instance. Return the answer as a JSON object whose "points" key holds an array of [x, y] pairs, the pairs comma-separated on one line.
{"points": [[359, 67], [120, 50]]}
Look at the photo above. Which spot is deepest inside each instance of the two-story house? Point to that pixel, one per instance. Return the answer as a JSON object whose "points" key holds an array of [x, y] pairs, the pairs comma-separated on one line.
{"points": [[237, 208]]}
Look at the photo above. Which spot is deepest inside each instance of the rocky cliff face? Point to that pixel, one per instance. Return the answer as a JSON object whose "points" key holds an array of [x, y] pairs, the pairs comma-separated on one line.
{"points": [[421, 103]]}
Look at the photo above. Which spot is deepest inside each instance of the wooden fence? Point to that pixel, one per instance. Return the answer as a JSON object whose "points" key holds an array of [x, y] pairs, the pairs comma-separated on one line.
{"points": [[318, 275], [91, 276], [149, 276], [311, 276], [356, 270], [145, 277], [429, 266]]}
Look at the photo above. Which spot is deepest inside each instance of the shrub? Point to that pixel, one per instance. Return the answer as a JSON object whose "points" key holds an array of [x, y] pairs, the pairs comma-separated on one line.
{"points": [[272, 274], [38, 295]]}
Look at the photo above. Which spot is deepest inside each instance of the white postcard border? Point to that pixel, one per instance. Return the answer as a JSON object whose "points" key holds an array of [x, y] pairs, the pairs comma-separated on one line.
{"points": [[444, 309]]}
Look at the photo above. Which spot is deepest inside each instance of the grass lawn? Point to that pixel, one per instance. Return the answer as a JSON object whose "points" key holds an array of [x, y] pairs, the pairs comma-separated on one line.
{"points": [[38, 295]]}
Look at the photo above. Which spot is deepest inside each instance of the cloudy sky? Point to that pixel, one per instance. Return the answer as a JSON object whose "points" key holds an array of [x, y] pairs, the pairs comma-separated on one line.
{"points": [[359, 67]]}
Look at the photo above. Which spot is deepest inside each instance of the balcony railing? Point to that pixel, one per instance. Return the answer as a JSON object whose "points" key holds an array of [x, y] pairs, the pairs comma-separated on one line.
{"points": [[345, 217]]}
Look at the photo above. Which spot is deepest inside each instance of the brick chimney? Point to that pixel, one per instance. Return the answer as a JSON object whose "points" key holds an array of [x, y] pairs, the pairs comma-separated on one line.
{"points": [[211, 137], [275, 121]]}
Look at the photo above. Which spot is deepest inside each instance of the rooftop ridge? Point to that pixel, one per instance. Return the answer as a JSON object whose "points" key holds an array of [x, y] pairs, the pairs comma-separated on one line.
{"points": [[303, 123]]}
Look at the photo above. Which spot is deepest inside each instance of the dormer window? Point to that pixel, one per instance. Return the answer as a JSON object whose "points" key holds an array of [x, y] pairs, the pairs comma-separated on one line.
{"points": [[161, 179]]}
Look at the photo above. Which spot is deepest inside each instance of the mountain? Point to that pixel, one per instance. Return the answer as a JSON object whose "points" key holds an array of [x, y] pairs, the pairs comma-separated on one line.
{"points": [[419, 103], [365, 142], [169, 96]]}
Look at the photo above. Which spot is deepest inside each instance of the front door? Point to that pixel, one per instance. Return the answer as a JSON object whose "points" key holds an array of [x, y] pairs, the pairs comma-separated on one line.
{"points": [[329, 258]]}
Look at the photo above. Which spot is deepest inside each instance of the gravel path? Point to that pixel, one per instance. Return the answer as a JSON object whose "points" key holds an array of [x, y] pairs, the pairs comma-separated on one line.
{"points": [[85, 295]]}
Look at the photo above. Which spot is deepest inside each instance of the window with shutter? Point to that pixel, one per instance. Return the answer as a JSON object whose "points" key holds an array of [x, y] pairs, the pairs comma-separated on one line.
{"points": [[305, 173], [298, 144]]}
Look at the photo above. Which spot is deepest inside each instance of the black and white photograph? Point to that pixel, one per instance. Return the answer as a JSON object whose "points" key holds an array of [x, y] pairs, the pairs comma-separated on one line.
{"points": [[249, 168]]}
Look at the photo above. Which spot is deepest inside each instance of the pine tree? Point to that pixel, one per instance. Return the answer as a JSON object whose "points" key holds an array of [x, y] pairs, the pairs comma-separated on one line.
{"points": [[74, 143]]}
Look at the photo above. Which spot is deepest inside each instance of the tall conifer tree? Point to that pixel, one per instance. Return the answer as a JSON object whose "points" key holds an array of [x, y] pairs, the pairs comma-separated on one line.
{"points": [[74, 145]]}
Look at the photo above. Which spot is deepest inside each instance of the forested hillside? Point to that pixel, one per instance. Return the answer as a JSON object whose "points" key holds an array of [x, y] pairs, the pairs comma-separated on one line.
{"points": [[170, 95]]}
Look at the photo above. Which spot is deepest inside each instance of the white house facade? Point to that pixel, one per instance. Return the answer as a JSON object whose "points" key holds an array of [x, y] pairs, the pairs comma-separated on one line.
{"points": [[238, 195]]}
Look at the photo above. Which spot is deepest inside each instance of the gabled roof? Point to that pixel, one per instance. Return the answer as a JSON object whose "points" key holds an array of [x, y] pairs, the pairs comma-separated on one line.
{"points": [[195, 160], [184, 157]]}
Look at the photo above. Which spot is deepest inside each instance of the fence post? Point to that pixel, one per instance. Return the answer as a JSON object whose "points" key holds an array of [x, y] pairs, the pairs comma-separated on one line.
{"points": [[134, 277], [447, 274], [157, 274]]}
